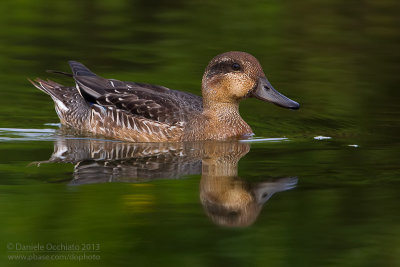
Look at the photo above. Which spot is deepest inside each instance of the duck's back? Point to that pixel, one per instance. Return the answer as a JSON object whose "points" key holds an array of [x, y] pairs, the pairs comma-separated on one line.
{"points": [[124, 110]]}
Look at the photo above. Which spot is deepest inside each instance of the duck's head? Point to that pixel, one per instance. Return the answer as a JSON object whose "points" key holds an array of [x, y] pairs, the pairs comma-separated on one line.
{"points": [[232, 76]]}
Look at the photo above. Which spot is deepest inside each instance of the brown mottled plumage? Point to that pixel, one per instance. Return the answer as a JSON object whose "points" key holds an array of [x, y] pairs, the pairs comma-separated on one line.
{"points": [[149, 113]]}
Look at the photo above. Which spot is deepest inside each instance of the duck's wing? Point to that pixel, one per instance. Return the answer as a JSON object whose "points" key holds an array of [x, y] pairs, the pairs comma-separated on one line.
{"points": [[152, 102]]}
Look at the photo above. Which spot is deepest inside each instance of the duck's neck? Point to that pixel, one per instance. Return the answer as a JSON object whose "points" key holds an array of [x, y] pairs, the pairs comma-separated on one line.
{"points": [[223, 112], [225, 118]]}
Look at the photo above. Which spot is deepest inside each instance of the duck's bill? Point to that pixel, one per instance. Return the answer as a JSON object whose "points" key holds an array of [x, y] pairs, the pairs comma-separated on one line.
{"points": [[266, 92]]}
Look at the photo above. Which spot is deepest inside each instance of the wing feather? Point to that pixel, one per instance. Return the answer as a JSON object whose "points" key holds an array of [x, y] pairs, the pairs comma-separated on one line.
{"points": [[152, 102]]}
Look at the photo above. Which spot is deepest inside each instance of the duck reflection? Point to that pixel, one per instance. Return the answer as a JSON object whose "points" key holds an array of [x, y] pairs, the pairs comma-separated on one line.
{"points": [[227, 199]]}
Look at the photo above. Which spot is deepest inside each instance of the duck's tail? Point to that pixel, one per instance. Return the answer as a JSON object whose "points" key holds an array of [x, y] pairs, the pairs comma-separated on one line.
{"points": [[49, 87], [71, 107]]}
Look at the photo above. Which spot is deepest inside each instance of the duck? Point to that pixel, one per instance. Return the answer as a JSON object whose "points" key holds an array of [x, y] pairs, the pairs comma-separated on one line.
{"points": [[140, 112]]}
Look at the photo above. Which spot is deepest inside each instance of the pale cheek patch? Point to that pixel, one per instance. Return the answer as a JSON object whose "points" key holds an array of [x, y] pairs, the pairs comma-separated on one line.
{"points": [[239, 85]]}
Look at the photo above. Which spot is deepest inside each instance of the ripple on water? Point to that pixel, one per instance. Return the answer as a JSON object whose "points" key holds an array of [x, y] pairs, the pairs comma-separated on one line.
{"points": [[260, 139], [320, 137], [17, 134]]}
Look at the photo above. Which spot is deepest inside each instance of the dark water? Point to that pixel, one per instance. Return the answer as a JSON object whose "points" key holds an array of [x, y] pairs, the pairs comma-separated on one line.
{"points": [[284, 199]]}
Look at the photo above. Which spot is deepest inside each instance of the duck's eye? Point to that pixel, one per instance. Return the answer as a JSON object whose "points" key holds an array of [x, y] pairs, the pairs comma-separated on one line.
{"points": [[235, 66]]}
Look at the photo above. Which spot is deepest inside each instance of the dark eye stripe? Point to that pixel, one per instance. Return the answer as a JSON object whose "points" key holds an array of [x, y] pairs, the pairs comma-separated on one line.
{"points": [[223, 67]]}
